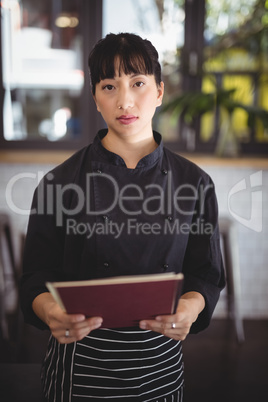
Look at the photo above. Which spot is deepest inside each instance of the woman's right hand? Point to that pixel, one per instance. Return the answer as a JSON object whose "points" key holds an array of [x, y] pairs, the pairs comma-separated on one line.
{"points": [[66, 328]]}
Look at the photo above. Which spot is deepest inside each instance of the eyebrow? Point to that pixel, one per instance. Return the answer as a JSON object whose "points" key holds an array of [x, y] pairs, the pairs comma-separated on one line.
{"points": [[133, 75], [137, 74]]}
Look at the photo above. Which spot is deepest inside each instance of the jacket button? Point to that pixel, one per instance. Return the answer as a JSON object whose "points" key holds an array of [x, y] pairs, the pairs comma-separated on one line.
{"points": [[169, 218], [105, 217], [106, 264], [98, 171], [164, 171], [165, 266]]}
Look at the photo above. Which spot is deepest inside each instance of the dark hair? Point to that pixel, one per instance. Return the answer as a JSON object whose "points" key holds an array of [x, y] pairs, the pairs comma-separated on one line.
{"points": [[136, 55]]}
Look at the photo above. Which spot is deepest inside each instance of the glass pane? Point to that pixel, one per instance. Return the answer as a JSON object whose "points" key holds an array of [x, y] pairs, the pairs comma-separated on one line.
{"points": [[236, 58], [162, 22], [42, 69]]}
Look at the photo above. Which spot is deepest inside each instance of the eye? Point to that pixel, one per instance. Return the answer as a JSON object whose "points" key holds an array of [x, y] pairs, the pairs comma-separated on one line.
{"points": [[108, 87], [139, 84]]}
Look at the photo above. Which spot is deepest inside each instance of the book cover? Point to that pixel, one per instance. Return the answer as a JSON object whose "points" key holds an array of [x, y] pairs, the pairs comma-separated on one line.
{"points": [[120, 301]]}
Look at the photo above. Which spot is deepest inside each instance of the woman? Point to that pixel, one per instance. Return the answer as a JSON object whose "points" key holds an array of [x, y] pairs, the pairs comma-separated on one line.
{"points": [[128, 179]]}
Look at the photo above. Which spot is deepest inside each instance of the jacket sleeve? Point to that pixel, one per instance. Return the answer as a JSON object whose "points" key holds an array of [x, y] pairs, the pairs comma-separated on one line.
{"points": [[45, 248], [43, 253], [203, 267]]}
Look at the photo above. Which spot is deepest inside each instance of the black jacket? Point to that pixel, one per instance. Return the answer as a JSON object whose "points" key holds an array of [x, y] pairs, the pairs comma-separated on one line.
{"points": [[92, 217]]}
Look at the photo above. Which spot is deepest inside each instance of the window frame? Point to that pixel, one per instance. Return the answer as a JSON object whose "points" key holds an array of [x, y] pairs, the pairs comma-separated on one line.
{"points": [[91, 19], [192, 73]]}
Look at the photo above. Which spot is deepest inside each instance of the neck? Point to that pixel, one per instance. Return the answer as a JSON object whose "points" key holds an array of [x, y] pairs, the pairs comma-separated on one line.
{"points": [[131, 150]]}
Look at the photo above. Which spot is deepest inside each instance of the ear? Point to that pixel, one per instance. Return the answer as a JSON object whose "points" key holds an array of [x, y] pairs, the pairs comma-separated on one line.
{"points": [[160, 93], [94, 97]]}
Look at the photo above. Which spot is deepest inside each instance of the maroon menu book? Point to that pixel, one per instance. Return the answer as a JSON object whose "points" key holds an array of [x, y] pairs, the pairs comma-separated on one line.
{"points": [[120, 301]]}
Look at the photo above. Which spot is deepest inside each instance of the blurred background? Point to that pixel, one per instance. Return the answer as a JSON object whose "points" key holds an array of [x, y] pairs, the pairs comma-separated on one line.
{"points": [[214, 57]]}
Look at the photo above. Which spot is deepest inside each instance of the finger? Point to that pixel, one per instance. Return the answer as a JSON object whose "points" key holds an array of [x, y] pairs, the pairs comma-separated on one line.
{"points": [[58, 326], [58, 317], [86, 326], [69, 319], [93, 322], [171, 322], [65, 337], [154, 325], [165, 327], [75, 333]]}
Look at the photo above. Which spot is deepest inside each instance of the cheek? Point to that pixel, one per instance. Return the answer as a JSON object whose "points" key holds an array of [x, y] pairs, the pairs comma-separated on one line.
{"points": [[149, 100], [102, 105]]}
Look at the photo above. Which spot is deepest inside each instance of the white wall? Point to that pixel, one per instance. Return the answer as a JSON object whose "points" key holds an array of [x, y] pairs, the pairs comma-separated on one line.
{"points": [[253, 245]]}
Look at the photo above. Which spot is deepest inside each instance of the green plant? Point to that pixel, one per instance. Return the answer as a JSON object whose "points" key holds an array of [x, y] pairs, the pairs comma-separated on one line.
{"points": [[191, 105]]}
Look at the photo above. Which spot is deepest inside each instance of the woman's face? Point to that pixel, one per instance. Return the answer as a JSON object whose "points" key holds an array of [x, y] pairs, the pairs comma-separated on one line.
{"points": [[128, 102]]}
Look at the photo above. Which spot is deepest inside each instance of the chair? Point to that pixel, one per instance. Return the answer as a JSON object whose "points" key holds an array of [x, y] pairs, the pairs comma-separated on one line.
{"points": [[230, 253], [8, 274]]}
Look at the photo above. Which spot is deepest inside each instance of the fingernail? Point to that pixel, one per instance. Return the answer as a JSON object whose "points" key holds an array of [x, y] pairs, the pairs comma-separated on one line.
{"points": [[143, 325], [98, 322], [80, 318]]}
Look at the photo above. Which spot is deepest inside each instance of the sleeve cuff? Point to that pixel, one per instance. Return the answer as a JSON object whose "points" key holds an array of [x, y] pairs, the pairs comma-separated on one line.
{"points": [[211, 294]]}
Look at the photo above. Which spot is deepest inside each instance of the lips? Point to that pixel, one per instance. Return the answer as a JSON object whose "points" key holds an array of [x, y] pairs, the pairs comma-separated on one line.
{"points": [[127, 119]]}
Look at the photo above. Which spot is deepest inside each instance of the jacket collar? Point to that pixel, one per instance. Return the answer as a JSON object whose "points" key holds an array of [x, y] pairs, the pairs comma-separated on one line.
{"points": [[115, 159]]}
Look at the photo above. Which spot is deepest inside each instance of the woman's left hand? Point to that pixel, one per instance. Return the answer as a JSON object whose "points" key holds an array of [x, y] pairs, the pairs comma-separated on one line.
{"points": [[177, 326]]}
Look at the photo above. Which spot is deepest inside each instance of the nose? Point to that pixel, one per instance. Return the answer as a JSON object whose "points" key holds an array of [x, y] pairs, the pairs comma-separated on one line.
{"points": [[125, 98]]}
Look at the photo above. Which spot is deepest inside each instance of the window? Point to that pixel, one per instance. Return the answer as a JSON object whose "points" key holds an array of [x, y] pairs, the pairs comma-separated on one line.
{"points": [[175, 27], [206, 48], [236, 63], [161, 22], [44, 74]]}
